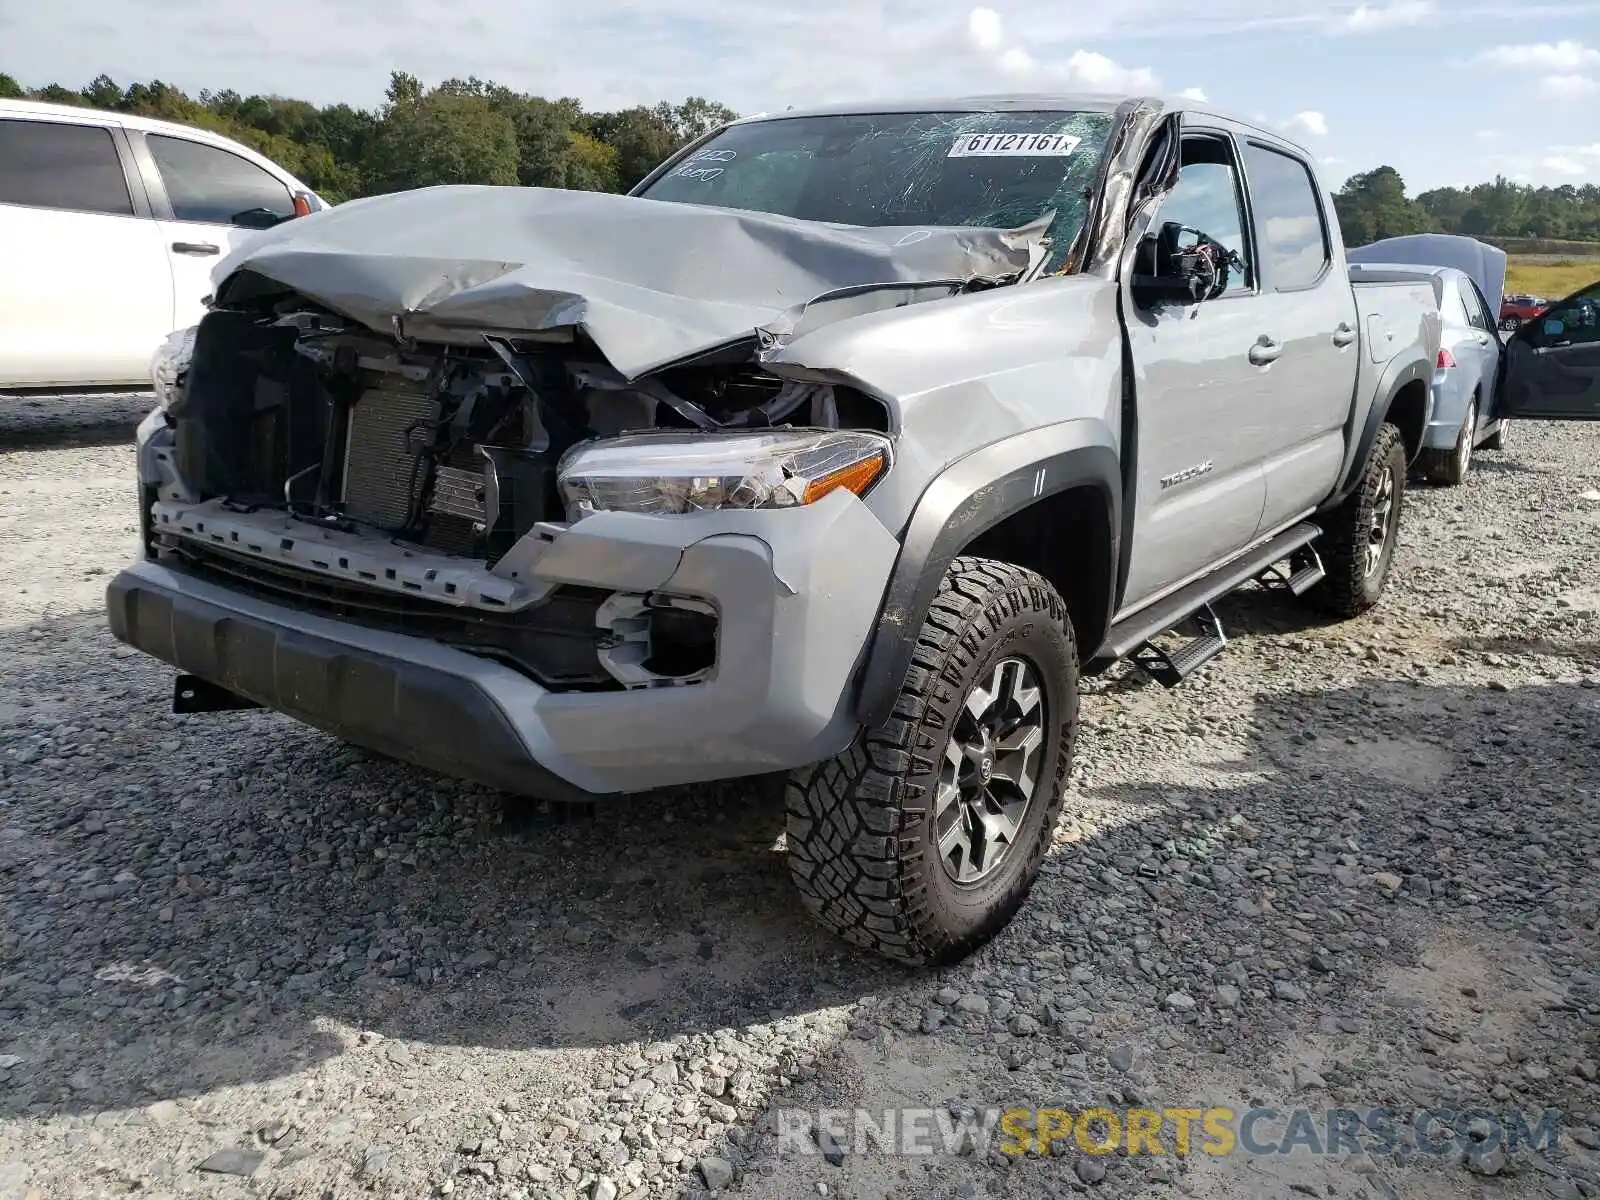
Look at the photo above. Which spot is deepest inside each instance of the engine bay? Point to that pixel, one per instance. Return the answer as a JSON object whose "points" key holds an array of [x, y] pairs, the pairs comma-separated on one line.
{"points": [[287, 406]]}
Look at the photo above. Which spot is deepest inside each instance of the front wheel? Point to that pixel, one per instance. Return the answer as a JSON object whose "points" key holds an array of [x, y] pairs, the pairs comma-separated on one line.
{"points": [[923, 839], [1358, 538], [1497, 439]]}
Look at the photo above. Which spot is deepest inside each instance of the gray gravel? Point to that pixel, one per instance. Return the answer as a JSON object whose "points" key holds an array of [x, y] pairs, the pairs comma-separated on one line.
{"points": [[1347, 865]]}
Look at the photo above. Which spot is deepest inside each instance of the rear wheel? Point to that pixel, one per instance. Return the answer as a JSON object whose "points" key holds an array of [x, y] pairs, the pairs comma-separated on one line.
{"points": [[1450, 466], [923, 839], [1358, 538]]}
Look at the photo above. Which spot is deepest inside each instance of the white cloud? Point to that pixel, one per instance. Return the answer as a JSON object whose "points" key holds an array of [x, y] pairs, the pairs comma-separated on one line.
{"points": [[1562, 165], [1332, 161], [985, 30], [1193, 94], [1083, 69], [1369, 18], [1307, 124], [1563, 57], [1547, 166], [1565, 89], [1487, 135]]}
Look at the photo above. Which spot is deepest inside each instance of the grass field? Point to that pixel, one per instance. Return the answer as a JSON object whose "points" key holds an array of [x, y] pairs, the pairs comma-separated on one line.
{"points": [[1550, 276]]}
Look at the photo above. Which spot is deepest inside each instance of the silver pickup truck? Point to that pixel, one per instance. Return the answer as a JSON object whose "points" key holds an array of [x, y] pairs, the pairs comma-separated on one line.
{"points": [[841, 447]]}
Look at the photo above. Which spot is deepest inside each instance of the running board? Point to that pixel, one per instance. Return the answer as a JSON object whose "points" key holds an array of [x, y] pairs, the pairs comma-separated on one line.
{"points": [[1305, 572], [1132, 632], [1170, 668]]}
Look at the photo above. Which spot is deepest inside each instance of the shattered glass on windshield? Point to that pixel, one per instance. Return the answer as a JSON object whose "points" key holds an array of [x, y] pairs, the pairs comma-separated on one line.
{"points": [[998, 170]]}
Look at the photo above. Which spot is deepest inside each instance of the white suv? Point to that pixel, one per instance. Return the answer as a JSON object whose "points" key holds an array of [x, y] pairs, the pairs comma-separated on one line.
{"points": [[109, 228]]}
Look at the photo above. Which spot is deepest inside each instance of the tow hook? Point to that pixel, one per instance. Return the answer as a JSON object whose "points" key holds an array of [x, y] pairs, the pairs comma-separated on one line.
{"points": [[191, 694]]}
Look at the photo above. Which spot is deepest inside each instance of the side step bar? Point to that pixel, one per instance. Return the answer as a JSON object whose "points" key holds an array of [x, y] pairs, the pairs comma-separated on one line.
{"points": [[1305, 572], [1170, 668], [1134, 633]]}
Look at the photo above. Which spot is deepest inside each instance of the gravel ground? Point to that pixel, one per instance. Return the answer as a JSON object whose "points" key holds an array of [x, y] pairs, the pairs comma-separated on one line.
{"points": [[1346, 866]]}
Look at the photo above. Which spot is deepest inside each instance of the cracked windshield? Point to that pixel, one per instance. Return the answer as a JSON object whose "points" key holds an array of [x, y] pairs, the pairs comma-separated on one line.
{"points": [[994, 170]]}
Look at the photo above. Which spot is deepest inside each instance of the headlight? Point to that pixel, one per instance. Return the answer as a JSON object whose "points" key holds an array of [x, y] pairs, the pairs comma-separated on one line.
{"points": [[171, 364], [687, 472]]}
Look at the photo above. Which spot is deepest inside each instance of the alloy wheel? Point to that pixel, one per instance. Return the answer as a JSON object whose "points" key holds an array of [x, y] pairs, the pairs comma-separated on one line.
{"points": [[990, 771], [1384, 512], [1469, 431]]}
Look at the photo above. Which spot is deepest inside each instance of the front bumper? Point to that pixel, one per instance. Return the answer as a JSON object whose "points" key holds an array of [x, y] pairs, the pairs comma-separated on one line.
{"points": [[796, 592]]}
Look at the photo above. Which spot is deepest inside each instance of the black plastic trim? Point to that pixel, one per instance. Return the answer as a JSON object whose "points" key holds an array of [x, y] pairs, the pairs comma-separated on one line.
{"points": [[419, 714], [971, 496], [149, 175], [1396, 376]]}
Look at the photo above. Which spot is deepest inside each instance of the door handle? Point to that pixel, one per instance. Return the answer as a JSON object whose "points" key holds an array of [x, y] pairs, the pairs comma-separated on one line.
{"points": [[1344, 335], [198, 248], [1265, 351]]}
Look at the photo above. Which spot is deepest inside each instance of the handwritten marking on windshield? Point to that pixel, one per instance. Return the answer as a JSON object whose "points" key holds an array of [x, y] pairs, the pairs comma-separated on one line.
{"points": [[703, 174]]}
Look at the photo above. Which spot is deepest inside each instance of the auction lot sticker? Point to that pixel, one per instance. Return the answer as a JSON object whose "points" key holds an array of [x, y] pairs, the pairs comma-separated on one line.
{"points": [[1014, 145]]}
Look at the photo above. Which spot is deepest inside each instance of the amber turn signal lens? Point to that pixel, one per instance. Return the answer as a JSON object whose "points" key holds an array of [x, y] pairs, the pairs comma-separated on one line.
{"points": [[855, 477]]}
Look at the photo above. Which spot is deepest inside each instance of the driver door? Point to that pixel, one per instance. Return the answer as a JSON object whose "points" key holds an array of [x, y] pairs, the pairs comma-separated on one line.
{"points": [[1552, 370], [1203, 396]]}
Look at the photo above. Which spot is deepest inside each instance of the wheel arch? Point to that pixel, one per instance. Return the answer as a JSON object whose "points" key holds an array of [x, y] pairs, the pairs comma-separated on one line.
{"points": [[1049, 500], [1404, 399]]}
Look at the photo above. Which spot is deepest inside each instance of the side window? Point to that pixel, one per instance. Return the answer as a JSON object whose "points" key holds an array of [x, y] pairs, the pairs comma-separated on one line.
{"points": [[1290, 228], [1477, 314], [49, 164], [1574, 321], [1208, 199], [214, 186]]}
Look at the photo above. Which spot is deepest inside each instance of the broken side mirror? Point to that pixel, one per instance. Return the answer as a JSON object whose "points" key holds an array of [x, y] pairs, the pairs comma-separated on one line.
{"points": [[1180, 265]]}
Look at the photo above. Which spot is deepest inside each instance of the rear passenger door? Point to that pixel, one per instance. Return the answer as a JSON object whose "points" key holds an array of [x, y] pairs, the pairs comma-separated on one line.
{"points": [[1298, 431], [85, 289], [1484, 346], [216, 198]]}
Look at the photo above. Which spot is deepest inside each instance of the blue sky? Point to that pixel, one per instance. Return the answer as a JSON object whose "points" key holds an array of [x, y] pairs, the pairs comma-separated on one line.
{"points": [[1446, 91]]}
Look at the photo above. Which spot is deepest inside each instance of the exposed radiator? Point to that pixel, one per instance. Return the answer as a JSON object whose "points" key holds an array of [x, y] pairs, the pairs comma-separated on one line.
{"points": [[383, 473]]}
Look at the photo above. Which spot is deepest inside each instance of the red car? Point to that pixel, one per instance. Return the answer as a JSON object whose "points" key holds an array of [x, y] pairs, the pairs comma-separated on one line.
{"points": [[1514, 310]]}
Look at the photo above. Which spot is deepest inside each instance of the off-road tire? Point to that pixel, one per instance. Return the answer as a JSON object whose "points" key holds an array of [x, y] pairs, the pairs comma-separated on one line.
{"points": [[1449, 467], [1349, 588], [861, 827]]}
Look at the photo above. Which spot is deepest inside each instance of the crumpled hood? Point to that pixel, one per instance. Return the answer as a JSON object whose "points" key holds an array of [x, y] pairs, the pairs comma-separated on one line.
{"points": [[648, 281]]}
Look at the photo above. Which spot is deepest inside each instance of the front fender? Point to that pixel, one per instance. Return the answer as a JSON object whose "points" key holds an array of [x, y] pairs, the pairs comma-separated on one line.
{"points": [[965, 500]]}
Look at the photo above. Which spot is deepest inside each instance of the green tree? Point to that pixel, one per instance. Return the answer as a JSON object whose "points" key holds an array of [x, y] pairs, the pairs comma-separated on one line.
{"points": [[643, 137], [591, 165], [10, 89], [1373, 206], [442, 138]]}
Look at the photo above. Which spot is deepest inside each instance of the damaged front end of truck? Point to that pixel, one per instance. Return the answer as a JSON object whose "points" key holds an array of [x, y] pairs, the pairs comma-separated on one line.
{"points": [[456, 414]]}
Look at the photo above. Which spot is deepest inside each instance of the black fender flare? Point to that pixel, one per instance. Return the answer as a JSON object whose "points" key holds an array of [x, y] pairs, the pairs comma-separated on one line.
{"points": [[1398, 374], [967, 498]]}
